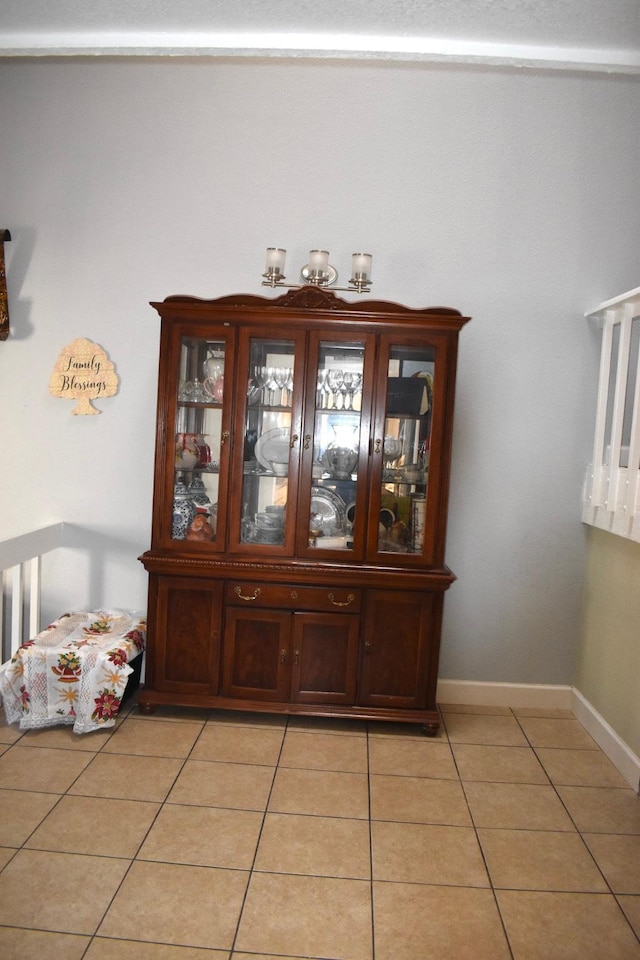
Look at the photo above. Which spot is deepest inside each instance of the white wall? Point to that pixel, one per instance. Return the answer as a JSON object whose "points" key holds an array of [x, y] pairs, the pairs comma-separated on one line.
{"points": [[509, 195]]}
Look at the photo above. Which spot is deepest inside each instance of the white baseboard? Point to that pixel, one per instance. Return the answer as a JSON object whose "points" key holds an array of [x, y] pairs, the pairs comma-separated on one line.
{"points": [[607, 739], [547, 696], [479, 694]]}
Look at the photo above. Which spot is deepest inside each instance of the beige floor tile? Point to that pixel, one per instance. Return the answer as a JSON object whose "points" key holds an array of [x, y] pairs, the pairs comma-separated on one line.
{"points": [[62, 892], [602, 809], [127, 778], [631, 909], [540, 860], [582, 768], [18, 944], [566, 926], [9, 733], [351, 728], [228, 743], [95, 826], [324, 751], [241, 786], [41, 768], [618, 856], [106, 949], [171, 903], [20, 814], [154, 738], [404, 731], [411, 758], [427, 853], [307, 917], [446, 708], [317, 846], [419, 800], [204, 836], [516, 806], [242, 718], [498, 764], [497, 731], [420, 922], [322, 793], [6, 853], [548, 732], [177, 714], [550, 713], [261, 956], [62, 737]]}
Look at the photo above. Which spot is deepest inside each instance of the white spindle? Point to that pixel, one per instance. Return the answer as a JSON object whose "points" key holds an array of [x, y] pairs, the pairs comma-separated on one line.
{"points": [[34, 596], [600, 474], [16, 607]]}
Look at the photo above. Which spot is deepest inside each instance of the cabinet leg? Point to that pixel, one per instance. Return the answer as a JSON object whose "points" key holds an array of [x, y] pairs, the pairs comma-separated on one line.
{"points": [[430, 729], [147, 709]]}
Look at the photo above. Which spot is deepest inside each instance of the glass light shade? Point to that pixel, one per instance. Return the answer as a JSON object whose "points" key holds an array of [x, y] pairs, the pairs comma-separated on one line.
{"points": [[318, 261], [361, 266], [275, 260]]}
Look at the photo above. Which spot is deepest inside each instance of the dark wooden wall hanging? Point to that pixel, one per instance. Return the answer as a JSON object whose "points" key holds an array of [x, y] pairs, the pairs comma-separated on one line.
{"points": [[4, 302]]}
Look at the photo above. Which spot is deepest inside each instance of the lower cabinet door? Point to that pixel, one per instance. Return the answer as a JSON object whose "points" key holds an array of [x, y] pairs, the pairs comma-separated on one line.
{"points": [[324, 652], [256, 654], [187, 618], [395, 663]]}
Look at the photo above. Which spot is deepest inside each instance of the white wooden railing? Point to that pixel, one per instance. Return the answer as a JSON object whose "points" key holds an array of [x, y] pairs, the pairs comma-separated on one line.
{"points": [[20, 567], [611, 498]]}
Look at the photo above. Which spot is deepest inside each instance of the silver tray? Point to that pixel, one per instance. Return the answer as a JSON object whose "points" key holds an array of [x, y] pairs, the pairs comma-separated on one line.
{"points": [[328, 511]]}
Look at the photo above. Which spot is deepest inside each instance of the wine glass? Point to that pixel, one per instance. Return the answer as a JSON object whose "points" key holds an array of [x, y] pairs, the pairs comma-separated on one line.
{"points": [[280, 376], [392, 450], [335, 380], [321, 389], [347, 390]]}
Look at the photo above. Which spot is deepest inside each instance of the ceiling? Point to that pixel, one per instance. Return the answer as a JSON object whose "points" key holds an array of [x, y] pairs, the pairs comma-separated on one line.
{"points": [[591, 35]]}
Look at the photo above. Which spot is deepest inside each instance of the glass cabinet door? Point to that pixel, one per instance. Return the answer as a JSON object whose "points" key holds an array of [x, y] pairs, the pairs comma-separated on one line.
{"points": [[402, 441], [199, 439], [336, 447], [264, 489]]}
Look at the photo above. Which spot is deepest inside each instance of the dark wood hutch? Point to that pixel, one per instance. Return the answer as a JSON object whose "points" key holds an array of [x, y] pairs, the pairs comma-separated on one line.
{"points": [[301, 482]]}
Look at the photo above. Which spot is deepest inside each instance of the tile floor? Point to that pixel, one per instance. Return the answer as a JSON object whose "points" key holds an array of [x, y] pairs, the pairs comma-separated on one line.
{"points": [[202, 836]]}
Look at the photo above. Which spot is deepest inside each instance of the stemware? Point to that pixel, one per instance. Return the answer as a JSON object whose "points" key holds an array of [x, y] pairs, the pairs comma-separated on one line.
{"points": [[347, 390], [335, 380], [289, 385], [321, 389], [392, 450], [280, 376]]}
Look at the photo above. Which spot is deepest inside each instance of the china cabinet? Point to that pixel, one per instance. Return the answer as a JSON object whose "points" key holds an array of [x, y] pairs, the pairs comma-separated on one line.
{"points": [[301, 479]]}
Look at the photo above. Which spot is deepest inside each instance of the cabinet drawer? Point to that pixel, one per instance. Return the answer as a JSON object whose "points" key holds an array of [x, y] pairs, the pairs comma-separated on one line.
{"points": [[246, 593]]}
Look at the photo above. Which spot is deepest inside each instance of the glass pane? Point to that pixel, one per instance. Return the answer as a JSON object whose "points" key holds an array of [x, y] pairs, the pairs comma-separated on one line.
{"points": [[407, 438], [197, 439], [267, 441], [336, 444]]}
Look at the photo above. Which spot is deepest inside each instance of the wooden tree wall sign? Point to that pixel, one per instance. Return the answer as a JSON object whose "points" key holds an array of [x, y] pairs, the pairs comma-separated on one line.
{"points": [[83, 373]]}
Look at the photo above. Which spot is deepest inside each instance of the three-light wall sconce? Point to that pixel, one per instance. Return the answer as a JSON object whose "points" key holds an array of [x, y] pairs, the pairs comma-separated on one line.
{"points": [[318, 272]]}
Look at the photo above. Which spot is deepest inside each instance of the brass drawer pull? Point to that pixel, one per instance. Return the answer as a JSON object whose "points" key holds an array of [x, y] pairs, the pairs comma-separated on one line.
{"points": [[344, 603], [238, 592]]}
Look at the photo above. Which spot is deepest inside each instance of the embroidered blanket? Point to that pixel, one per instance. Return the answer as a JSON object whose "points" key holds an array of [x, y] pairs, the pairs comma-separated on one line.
{"points": [[73, 672]]}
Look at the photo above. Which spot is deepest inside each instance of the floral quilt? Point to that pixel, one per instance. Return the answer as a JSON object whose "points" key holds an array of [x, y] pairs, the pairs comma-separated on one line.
{"points": [[74, 672]]}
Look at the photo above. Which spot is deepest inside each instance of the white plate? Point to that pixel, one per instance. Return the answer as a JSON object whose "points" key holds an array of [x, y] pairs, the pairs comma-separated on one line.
{"points": [[273, 447]]}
